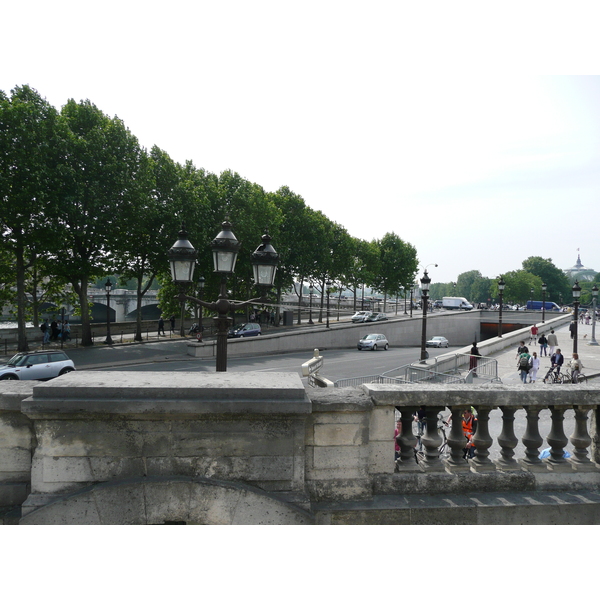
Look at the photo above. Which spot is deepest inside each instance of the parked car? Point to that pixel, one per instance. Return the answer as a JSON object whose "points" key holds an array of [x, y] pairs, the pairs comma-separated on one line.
{"points": [[437, 342], [245, 330], [438, 304], [361, 316], [41, 365], [376, 317], [372, 341]]}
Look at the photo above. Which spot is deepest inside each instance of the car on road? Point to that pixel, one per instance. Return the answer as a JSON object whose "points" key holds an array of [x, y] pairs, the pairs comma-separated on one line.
{"points": [[361, 316], [372, 341], [245, 330], [437, 342], [376, 317], [42, 365]]}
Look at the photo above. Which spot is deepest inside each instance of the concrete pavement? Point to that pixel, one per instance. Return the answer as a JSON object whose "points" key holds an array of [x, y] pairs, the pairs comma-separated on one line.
{"points": [[589, 355]]}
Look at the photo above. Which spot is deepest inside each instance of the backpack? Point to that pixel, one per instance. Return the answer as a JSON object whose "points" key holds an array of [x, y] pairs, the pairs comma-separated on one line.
{"points": [[43, 327], [524, 362]]}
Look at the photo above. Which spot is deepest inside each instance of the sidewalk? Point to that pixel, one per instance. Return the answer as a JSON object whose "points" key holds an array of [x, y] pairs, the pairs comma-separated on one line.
{"points": [[589, 355]]}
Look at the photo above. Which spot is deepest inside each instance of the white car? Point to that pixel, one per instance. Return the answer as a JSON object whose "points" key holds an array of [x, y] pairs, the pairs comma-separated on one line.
{"points": [[361, 316], [437, 342], [372, 341], [36, 365]]}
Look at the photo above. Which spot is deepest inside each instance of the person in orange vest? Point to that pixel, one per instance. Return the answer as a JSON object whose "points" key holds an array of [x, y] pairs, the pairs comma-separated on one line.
{"points": [[469, 425]]}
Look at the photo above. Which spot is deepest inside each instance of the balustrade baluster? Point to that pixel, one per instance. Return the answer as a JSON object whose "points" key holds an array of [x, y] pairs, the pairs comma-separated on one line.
{"points": [[557, 440], [456, 441], [532, 440], [482, 440], [581, 440], [407, 441], [508, 440], [432, 441]]}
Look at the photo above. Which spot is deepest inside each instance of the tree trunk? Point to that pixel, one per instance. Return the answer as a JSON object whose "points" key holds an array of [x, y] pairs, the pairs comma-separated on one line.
{"points": [[22, 344]]}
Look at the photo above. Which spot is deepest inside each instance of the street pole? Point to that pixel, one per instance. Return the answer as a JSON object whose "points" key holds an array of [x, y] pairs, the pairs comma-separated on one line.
{"points": [[108, 287], [501, 285], [576, 295], [593, 341], [544, 286]]}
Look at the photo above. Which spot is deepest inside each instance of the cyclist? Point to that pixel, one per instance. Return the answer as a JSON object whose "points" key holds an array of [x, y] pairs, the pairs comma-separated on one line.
{"points": [[557, 360], [576, 367]]}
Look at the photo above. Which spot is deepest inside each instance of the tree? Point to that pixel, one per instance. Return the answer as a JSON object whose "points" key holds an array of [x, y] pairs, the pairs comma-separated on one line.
{"points": [[518, 287], [98, 180], [29, 156], [398, 265], [557, 282]]}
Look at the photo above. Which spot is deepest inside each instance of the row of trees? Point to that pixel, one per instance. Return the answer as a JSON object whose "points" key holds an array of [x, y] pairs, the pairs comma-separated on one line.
{"points": [[535, 271], [80, 199]]}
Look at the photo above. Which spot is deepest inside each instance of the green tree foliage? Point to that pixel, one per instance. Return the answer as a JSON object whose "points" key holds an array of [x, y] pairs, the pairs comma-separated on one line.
{"points": [[518, 287], [557, 282], [29, 153]]}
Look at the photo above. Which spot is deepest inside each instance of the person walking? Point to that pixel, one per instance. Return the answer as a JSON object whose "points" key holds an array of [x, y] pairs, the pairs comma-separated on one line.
{"points": [[543, 342], [524, 365], [522, 348], [552, 341], [475, 354], [161, 326], [534, 334], [535, 367], [172, 319]]}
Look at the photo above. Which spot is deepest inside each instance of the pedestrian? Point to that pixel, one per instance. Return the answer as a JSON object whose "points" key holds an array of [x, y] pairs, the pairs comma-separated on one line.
{"points": [[543, 342], [66, 331], [172, 319], [475, 354], [521, 348], [534, 334], [535, 367], [397, 434], [573, 328], [523, 365], [161, 326], [53, 330], [576, 367], [552, 341], [45, 327]]}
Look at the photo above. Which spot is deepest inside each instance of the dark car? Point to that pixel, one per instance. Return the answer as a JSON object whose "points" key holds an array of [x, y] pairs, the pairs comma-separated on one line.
{"points": [[41, 365], [245, 330]]}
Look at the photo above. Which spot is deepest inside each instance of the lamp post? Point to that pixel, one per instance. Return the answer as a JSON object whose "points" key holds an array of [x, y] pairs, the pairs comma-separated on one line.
{"points": [[544, 288], [108, 288], [425, 281], [593, 341], [404, 294], [225, 248], [328, 289], [576, 289], [311, 289], [501, 285], [531, 292]]}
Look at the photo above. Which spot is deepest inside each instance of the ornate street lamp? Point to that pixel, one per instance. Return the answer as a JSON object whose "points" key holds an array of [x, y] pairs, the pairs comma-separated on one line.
{"points": [[225, 248], [531, 292], [576, 289], [425, 281], [328, 289], [593, 341], [108, 288], [544, 288], [501, 285], [310, 292]]}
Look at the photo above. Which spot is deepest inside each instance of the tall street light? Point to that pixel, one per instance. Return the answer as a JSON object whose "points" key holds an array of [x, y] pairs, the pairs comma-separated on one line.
{"points": [[311, 289], [108, 288], [576, 289], [544, 288], [328, 284], [531, 292], [501, 285], [425, 281], [225, 248], [593, 341]]}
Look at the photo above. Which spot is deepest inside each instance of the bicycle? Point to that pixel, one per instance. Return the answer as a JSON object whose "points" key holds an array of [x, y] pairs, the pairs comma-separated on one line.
{"points": [[568, 377], [443, 450], [554, 376]]}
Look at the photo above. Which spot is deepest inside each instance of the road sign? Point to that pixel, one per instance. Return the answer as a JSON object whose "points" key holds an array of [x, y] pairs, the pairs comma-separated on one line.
{"points": [[313, 365]]}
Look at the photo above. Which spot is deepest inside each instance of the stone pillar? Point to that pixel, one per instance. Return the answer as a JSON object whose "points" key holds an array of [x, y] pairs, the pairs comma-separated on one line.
{"points": [[557, 440], [456, 440], [532, 440], [508, 440], [407, 441], [482, 440], [432, 441], [581, 440]]}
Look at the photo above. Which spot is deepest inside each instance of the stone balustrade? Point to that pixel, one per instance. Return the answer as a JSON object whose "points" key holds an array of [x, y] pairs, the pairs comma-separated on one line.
{"points": [[257, 448]]}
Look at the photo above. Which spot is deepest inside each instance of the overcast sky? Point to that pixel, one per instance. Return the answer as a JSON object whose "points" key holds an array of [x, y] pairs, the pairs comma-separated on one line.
{"points": [[471, 134]]}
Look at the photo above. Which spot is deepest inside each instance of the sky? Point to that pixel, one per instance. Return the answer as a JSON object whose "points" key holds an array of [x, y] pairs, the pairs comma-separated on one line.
{"points": [[471, 132]]}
